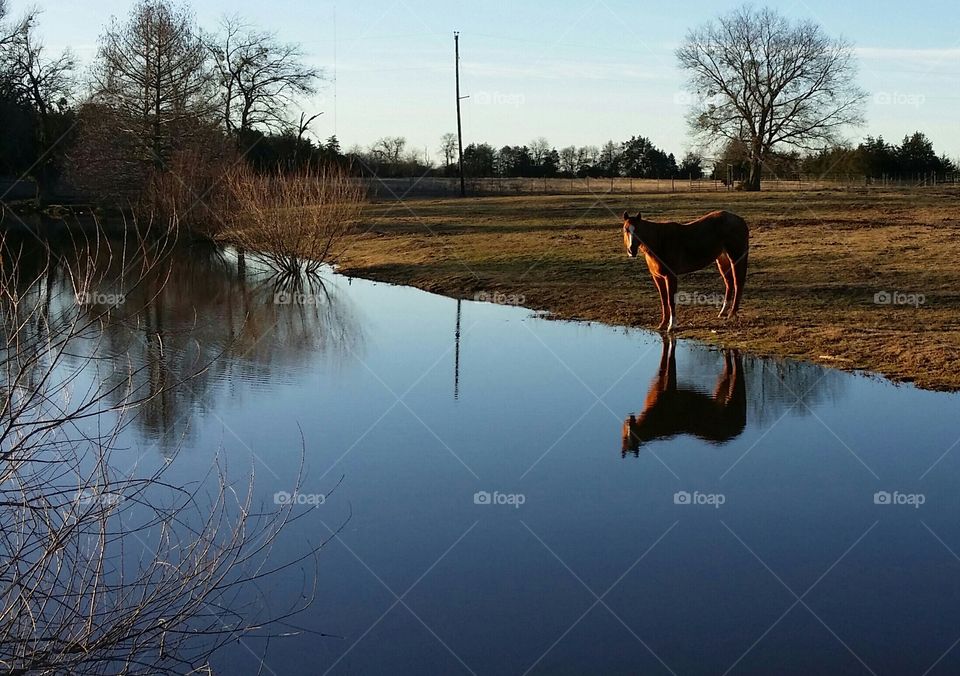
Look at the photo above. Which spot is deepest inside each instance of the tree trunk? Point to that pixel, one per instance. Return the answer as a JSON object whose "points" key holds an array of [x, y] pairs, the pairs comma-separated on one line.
{"points": [[752, 184], [157, 108]]}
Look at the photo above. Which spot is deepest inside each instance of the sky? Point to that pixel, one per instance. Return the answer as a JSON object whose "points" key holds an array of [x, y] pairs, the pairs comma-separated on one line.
{"points": [[576, 73]]}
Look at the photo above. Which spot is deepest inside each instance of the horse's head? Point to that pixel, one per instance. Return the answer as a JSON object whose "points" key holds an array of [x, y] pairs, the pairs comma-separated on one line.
{"points": [[634, 434], [631, 443], [631, 237]]}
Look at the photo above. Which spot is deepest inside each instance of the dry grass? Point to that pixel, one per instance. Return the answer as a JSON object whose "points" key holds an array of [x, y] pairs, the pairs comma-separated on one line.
{"points": [[816, 261], [439, 186]]}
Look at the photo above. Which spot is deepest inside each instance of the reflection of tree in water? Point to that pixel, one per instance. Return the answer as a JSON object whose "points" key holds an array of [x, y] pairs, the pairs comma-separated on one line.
{"points": [[31, 334], [104, 568], [194, 320], [773, 386]]}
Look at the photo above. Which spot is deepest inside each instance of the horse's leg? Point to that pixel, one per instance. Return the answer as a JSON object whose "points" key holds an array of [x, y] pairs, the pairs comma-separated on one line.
{"points": [[671, 384], [663, 371], [725, 266], [722, 392], [661, 285], [739, 278], [671, 284]]}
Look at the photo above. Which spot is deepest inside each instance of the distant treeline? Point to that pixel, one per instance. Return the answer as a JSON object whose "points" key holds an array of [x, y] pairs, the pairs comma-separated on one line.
{"points": [[873, 158], [638, 157]]}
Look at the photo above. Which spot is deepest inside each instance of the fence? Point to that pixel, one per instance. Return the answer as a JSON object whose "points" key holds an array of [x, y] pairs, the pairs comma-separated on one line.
{"points": [[435, 186]]}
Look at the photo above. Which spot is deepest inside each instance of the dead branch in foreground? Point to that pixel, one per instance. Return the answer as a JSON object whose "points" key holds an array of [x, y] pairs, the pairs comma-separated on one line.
{"points": [[105, 569]]}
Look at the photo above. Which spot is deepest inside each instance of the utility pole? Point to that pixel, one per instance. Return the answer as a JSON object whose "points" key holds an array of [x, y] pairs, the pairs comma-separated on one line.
{"points": [[456, 51]]}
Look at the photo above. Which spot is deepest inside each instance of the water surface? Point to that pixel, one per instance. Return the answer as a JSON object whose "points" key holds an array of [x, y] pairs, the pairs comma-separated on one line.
{"points": [[501, 511]]}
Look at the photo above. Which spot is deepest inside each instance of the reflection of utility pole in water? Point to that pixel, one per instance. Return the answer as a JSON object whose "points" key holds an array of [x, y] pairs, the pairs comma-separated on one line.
{"points": [[456, 356]]}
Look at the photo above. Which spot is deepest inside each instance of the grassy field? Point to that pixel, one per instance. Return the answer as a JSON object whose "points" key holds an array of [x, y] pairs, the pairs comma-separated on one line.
{"points": [[817, 260], [441, 186]]}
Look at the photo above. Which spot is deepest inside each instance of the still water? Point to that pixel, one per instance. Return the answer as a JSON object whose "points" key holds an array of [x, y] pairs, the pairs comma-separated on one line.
{"points": [[512, 494]]}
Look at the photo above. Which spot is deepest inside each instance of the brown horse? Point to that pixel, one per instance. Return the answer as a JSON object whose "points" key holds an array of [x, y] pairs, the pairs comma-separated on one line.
{"points": [[670, 410], [673, 249]]}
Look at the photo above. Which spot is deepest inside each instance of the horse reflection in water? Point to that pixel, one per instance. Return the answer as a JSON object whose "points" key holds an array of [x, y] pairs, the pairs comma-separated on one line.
{"points": [[672, 410]]}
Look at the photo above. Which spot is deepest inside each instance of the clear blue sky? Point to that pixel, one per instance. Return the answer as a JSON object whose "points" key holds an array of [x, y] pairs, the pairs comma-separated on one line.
{"points": [[574, 72]]}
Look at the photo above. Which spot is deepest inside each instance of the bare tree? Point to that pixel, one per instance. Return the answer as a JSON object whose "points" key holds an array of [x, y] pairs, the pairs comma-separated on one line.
{"points": [[539, 148], [302, 127], [10, 32], [39, 85], [568, 160], [765, 80], [587, 156], [389, 149], [152, 71], [46, 82], [259, 76], [448, 148], [304, 124]]}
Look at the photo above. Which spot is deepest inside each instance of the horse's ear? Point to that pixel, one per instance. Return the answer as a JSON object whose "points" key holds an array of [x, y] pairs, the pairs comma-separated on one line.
{"points": [[638, 216], [626, 216]]}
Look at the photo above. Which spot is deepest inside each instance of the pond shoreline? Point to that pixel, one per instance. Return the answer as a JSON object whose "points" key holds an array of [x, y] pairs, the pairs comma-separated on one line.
{"points": [[559, 257], [712, 340]]}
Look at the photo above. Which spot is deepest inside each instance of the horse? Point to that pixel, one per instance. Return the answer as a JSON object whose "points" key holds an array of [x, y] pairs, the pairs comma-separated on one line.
{"points": [[673, 249], [671, 410]]}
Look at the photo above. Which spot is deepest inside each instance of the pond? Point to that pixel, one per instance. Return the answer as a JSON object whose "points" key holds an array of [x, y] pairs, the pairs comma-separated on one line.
{"points": [[503, 493]]}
